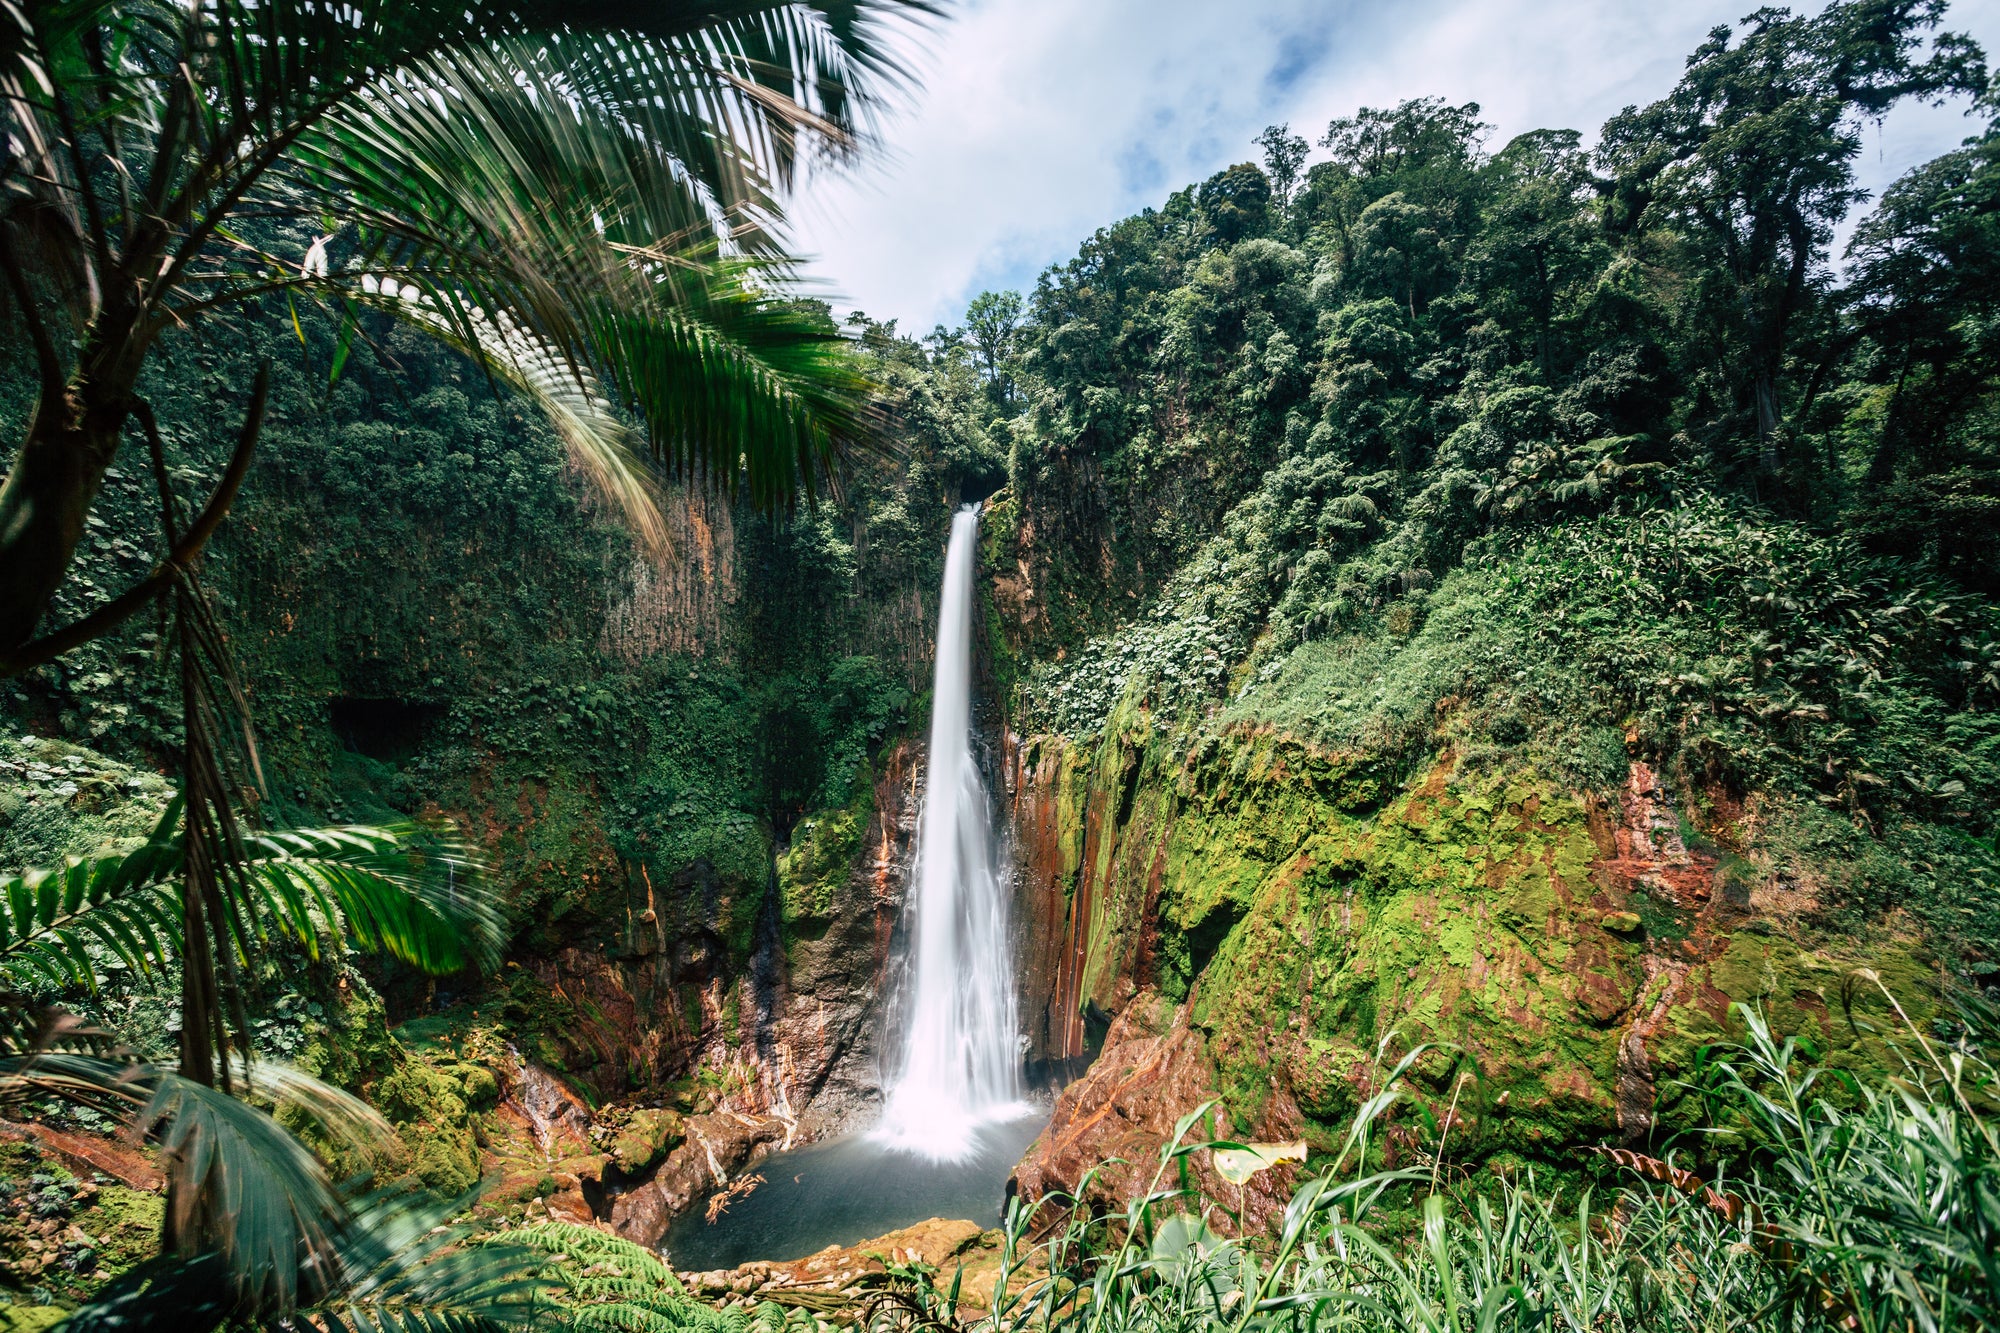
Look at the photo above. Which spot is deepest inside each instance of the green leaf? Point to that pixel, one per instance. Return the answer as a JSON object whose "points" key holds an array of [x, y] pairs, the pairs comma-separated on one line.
{"points": [[1237, 1165]]}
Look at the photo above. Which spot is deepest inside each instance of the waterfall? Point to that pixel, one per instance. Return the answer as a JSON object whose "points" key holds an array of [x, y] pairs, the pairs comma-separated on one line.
{"points": [[960, 1042]]}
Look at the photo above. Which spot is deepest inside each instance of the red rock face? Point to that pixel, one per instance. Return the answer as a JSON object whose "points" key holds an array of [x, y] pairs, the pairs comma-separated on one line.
{"points": [[1576, 951], [1644, 855], [1051, 927], [1151, 1072], [1086, 891], [717, 1149]]}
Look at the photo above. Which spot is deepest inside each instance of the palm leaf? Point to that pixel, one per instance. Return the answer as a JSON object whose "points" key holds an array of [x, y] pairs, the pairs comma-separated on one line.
{"points": [[252, 1214], [393, 1265], [244, 1191], [126, 905], [414, 892], [168, 1295], [558, 244]]}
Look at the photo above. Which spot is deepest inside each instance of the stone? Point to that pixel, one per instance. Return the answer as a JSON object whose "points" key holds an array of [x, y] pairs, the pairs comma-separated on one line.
{"points": [[646, 1139], [1151, 1072], [717, 1148], [1289, 910]]}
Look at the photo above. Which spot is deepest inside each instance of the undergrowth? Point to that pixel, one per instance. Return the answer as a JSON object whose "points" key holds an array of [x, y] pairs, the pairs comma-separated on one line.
{"points": [[1820, 1202]]}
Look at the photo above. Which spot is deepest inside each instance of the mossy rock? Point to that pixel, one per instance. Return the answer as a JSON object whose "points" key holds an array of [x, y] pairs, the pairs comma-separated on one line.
{"points": [[428, 1107], [59, 800], [125, 1223], [1308, 922], [19, 1318], [816, 866], [645, 1139], [352, 1043], [482, 1088]]}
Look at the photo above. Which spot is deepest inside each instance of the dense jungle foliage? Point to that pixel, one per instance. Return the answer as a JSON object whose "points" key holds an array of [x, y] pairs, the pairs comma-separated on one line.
{"points": [[427, 597]]}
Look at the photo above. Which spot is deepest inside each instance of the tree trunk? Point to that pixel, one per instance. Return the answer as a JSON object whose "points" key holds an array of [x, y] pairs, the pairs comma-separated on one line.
{"points": [[49, 490], [1768, 420]]}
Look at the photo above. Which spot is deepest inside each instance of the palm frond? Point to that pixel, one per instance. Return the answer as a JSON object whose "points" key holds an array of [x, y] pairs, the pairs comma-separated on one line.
{"points": [[559, 244], [126, 905], [415, 892], [83, 1072], [251, 1213], [244, 1188], [166, 1295], [394, 1267]]}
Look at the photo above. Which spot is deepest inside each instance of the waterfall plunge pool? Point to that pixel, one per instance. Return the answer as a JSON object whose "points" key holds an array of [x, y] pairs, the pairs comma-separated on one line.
{"points": [[847, 1190]]}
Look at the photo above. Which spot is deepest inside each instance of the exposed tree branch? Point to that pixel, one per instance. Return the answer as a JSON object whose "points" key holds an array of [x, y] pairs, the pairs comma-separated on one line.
{"points": [[185, 551], [46, 359]]}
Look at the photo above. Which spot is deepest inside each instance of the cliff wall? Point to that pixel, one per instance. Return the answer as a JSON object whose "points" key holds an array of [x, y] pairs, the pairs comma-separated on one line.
{"points": [[1274, 925]]}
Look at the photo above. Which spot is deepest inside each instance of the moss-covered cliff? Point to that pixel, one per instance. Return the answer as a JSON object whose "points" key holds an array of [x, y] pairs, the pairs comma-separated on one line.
{"points": [[1568, 951], [1493, 819]]}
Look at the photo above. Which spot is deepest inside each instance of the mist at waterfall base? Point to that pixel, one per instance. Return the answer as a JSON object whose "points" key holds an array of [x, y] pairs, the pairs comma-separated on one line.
{"points": [[955, 1117]]}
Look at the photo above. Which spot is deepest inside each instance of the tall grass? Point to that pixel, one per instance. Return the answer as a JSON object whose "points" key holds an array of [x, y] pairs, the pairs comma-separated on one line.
{"points": [[1823, 1201]]}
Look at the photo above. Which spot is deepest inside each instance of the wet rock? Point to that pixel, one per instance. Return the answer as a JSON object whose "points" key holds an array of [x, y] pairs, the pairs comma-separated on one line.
{"points": [[1152, 1071], [561, 1120], [947, 1246], [717, 1148]]}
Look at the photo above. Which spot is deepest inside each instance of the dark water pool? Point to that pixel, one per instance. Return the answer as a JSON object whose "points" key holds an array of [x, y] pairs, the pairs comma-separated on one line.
{"points": [[847, 1190]]}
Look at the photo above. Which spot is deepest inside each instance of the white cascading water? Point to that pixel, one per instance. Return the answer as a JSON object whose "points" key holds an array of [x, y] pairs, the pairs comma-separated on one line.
{"points": [[960, 1051]]}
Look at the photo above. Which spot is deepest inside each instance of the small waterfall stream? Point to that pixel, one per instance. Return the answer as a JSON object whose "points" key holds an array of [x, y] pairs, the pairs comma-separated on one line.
{"points": [[959, 1069]]}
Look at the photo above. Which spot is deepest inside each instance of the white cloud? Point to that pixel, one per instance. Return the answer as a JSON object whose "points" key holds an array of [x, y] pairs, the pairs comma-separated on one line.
{"points": [[1039, 121]]}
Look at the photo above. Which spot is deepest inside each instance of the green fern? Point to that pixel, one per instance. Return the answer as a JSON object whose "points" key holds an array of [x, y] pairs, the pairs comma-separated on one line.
{"points": [[607, 1282]]}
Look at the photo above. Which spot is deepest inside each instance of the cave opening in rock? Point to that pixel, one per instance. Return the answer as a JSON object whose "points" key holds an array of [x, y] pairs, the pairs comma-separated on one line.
{"points": [[386, 730]]}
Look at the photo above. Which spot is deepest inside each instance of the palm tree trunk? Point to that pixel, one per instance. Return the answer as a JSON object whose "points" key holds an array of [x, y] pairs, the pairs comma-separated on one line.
{"points": [[55, 477]]}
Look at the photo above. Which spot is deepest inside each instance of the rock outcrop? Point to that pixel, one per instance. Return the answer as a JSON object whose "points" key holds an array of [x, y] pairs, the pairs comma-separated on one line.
{"points": [[839, 1277], [717, 1149], [773, 989], [1273, 925], [1117, 1118]]}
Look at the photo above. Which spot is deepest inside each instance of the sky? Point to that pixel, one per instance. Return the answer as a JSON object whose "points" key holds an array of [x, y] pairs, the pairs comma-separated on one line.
{"points": [[1038, 121]]}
